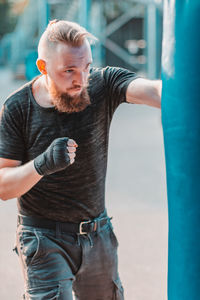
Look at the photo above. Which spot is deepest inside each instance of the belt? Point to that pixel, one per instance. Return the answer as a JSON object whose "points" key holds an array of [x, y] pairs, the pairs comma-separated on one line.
{"points": [[83, 227]]}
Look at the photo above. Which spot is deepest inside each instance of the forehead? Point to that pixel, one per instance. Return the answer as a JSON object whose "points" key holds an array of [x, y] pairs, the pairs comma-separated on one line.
{"points": [[66, 55]]}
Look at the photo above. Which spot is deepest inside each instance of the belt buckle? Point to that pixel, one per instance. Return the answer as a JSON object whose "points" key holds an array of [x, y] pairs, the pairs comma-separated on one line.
{"points": [[80, 227]]}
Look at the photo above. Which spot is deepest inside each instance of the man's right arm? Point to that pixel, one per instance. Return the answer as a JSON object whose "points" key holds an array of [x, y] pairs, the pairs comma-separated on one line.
{"points": [[17, 179]]}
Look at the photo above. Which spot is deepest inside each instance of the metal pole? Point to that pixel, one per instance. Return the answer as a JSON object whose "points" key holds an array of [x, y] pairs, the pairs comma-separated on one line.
{"points": [[84, 13], [151, 41], [97, 27], [44, 15]]}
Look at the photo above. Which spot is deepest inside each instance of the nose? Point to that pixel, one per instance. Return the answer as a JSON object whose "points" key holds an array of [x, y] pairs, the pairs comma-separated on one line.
{"points": [[80, 79]]}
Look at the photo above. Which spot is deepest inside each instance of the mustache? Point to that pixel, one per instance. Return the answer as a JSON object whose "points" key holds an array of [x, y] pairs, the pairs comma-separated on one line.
{"points": [[85, 86]]}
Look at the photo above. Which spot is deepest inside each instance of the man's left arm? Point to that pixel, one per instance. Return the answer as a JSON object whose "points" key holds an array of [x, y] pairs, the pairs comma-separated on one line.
{"points": [[144, 91]]}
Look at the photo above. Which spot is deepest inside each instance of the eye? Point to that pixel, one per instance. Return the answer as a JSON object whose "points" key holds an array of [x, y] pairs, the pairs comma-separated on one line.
{"points": [[68, 71]]}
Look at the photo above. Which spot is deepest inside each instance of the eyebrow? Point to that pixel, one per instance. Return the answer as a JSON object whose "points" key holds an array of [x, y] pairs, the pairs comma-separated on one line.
{"points": [[72, 66]]}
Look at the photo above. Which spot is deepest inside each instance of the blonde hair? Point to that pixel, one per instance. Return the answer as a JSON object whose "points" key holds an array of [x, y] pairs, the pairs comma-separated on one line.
{"points": [[63, 31]]}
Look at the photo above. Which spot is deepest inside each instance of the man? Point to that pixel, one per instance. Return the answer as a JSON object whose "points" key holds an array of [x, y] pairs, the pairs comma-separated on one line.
{"points": [[53, 149]]}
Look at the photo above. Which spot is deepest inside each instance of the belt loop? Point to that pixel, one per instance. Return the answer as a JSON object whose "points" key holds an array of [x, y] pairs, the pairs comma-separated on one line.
{"points": [[95, 225], [57, 230], [98, 227], [78, 239], [90, 240], [110, 223]]}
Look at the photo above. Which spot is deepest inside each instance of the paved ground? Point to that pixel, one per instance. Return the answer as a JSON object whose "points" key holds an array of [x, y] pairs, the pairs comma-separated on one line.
{"points": [[136, 198]]}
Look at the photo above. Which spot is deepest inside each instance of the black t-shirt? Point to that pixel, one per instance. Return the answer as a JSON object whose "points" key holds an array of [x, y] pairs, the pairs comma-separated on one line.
{"points": [[27, 129]]}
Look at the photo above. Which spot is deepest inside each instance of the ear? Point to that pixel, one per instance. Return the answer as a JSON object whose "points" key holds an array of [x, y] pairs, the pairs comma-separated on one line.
{"points": [[41, 64]]}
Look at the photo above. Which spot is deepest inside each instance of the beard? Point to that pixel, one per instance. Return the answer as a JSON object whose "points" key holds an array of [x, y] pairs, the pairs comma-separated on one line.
{"points": [[63, 102]]}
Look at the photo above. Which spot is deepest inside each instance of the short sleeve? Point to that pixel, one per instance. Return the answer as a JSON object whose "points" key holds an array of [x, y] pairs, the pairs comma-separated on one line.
{"points": [[116, 83], [11, 137]]}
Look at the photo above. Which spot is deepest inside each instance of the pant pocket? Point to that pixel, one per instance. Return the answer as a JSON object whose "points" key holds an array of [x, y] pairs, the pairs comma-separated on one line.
{"points": [[30, 246], [43, 293], [118, 290]]}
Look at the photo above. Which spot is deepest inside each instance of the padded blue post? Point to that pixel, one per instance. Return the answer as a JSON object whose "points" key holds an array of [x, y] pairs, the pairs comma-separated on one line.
{"points": [[181, 127]]}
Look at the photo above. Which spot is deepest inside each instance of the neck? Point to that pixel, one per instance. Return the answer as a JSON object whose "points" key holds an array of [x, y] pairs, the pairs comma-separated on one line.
{"points": [[40, 91]]}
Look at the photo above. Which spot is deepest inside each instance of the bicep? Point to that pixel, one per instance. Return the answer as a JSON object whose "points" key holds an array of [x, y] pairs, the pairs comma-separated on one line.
{"points": [[116, 81], [11, 134], [9, 163]]}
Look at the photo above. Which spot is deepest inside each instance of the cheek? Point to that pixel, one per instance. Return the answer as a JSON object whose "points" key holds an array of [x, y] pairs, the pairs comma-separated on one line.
{"points": [[62, 80], [58, 76], [66, 79]]}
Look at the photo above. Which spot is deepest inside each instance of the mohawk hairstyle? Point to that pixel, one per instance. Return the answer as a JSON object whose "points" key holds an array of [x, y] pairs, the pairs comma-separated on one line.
{"points": [[67, 32], [62, 31]]}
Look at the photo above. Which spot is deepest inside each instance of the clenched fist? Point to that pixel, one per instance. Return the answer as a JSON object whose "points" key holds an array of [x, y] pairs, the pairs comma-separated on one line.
{"points": [[59, 155]]}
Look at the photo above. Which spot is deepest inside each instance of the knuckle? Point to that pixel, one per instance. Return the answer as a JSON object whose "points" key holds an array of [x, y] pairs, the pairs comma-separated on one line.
{"points": [[71, 143], [72, 155], [71, 149]]}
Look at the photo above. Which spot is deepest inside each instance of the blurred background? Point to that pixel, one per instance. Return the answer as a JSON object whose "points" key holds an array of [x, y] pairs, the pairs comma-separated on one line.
{"points": [[129, 35], [129, 32]]}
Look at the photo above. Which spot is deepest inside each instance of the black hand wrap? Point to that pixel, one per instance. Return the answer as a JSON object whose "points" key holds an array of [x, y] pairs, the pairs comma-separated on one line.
{"points": [[54, 159]]}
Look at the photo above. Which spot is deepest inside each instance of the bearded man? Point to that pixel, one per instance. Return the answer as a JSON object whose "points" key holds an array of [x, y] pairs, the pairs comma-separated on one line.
{"points": [[53, 157]]}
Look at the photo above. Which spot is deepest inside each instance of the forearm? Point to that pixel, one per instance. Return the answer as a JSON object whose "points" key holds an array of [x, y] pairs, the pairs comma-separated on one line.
{"points": [[144, 91], [16, 181], [151, 93]]}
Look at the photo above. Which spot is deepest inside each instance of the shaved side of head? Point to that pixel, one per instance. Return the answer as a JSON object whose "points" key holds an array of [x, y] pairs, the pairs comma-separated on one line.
{"points": [[44, 47]]}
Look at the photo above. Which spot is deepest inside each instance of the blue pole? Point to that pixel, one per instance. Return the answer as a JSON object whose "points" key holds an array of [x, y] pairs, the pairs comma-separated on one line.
{"points": [[181, 127], [84, 13], [44, 15]]}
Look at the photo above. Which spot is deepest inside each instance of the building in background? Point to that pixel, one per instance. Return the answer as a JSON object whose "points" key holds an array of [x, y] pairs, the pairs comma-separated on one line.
{"points": [[129, 32]]}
